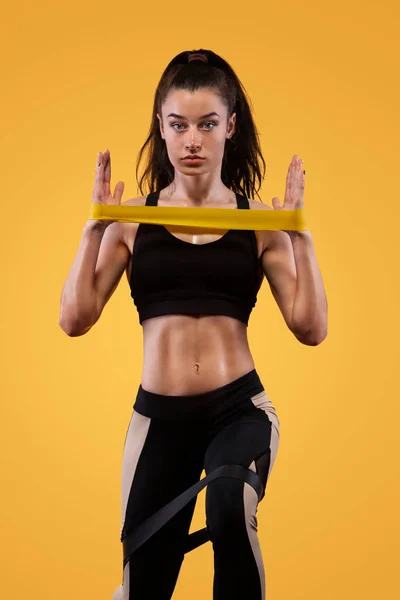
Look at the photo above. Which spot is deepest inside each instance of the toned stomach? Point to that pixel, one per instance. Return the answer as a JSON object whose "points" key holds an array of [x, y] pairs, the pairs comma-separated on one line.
{"points": [[187, 355]]}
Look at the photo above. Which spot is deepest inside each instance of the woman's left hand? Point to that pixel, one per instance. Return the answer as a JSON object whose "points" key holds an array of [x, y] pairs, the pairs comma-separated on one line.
{"points": [[294, 193]]}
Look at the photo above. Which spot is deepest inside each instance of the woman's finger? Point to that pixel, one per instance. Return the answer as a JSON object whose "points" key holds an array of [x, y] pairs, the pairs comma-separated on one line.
{"points": [[97, 194], [119, 190], [288, 184], [107, 173]]}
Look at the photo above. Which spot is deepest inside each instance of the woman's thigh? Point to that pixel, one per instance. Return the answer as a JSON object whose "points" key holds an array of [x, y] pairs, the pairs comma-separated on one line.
{"points": [[251, 439], [161, 459]]}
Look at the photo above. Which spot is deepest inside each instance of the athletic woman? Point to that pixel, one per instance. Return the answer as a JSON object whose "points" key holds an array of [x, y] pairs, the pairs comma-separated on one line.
{"points": [[200, 404]]}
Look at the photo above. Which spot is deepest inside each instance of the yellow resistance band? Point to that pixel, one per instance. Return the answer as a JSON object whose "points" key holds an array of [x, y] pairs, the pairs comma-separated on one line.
{"points": [[204, 218]]}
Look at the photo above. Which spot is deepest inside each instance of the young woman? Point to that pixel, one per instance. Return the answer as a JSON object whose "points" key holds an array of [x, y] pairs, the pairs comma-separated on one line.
{"points": [[200, 404]]}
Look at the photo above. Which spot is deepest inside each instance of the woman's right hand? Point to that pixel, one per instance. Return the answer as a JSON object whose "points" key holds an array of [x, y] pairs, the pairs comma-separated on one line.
{"points": [[101, 190]]}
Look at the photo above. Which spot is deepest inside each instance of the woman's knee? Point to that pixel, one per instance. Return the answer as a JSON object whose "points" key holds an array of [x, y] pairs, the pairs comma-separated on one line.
{"points": [[231, 505]]}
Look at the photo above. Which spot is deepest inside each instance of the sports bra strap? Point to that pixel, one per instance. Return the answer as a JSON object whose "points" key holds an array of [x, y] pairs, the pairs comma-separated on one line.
{"points": [[242, 201]]}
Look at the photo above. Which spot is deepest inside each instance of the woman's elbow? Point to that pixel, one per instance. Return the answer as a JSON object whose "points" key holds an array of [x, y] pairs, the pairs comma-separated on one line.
{"points": [[312, 338], [74, 329]]}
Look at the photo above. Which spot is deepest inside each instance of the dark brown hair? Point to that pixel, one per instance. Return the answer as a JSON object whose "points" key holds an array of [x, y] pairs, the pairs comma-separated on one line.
{"points": [[242, 156]]}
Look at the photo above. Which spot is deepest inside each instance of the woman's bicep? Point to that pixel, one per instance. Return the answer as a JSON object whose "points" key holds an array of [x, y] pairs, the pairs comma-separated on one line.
{"points": [[111, 263], [280, 270]]}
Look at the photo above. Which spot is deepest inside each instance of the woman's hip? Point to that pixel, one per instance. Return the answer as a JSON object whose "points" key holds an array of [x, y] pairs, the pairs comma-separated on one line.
{"points": [[241, 395]]}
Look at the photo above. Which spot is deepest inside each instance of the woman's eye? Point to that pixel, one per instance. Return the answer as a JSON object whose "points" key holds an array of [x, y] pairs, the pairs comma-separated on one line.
{"points": [[208, 123]]}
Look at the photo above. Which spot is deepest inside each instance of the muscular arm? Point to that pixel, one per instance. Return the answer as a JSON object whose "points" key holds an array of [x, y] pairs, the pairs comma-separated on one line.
{"points": [[296, 284], [101, 259], [280, 271]]}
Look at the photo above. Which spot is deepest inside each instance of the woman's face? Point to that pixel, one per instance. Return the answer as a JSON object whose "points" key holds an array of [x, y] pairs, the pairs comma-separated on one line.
{"points": [[195, 123]]}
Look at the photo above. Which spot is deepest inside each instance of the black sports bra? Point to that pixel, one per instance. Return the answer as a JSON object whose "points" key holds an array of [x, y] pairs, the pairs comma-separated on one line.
{"points": [[171, 276]]}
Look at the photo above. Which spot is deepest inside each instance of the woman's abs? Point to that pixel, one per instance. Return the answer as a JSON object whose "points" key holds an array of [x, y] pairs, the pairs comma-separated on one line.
{"points": [[186, 355]]}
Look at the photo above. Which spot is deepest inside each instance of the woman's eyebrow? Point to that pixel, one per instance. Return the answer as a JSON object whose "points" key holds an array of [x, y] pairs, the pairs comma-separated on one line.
{"points": [[203, 117]]}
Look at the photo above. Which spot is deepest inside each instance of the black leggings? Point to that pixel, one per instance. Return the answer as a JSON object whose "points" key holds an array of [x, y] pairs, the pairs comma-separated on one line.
{"points": [[170, 440]]}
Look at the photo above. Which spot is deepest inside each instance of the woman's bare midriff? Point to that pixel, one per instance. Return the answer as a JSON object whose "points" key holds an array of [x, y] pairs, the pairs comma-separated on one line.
{"points": [[186, 355]]}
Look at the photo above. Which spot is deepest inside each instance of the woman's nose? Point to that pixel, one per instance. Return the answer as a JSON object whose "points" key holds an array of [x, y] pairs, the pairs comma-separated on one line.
{"points": [[194, 138]]}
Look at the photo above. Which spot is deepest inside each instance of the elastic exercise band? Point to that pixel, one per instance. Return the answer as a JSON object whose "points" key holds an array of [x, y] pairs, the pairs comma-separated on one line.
{"points": [[132, 541], [209, 218]]}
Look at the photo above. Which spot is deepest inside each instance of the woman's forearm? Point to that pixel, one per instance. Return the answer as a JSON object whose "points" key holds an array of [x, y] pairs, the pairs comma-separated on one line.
{"points": [[310, 308], [78, 299]]}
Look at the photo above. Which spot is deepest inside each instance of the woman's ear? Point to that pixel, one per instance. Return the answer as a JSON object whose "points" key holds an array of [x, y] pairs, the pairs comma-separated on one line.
{"points": [[161, 125], [232, 124]]}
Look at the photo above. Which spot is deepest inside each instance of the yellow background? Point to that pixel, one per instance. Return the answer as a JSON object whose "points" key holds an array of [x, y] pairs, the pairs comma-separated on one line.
{"points": [[78, 77]]}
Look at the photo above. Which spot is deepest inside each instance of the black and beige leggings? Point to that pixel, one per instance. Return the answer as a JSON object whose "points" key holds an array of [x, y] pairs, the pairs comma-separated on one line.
{"points": [[233, 434]]}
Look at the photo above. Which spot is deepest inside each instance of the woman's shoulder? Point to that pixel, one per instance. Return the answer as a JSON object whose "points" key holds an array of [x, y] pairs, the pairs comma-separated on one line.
{"points": [[138, 201], [127, 229], [257, 205], [269, 237]]}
